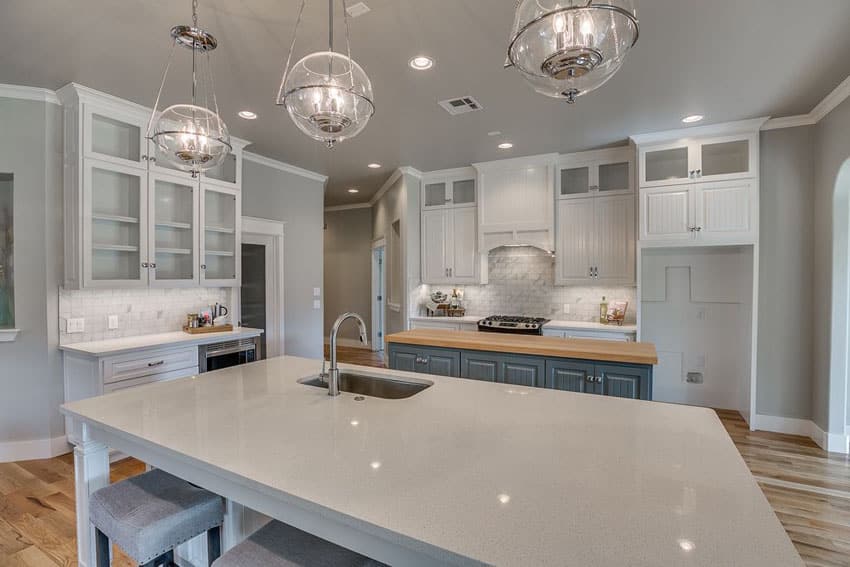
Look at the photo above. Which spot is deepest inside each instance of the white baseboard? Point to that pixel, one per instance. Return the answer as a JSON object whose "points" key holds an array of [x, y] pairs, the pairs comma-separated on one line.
{"points": [[350, 343], [832, 442], [33, 449]]}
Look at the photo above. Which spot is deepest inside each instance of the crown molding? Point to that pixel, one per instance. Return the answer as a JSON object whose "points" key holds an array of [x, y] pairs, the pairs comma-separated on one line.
{"points": [[281, 166], [838, 95], [721, 129], [28, 93], [336, 208]]}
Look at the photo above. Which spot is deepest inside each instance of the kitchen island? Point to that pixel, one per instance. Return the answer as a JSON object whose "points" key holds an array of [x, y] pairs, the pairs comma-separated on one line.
{"points": [[621, 369], [462, 473]]}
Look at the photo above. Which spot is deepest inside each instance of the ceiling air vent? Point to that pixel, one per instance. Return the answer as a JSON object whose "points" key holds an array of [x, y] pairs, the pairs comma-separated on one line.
{"points": [[358, 9], [455, 106]]}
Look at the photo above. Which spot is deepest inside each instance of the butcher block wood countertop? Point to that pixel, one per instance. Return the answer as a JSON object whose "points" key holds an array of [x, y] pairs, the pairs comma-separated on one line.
{"points": [[556, 347]]}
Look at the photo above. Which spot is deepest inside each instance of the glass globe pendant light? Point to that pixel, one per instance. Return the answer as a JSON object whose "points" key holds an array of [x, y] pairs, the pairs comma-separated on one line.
{"points": [[327, 94], [191, 137], [567, 48]]}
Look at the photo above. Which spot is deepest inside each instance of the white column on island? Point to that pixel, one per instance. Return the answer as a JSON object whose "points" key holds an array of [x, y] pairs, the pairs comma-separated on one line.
{"points": [[91, 473]]}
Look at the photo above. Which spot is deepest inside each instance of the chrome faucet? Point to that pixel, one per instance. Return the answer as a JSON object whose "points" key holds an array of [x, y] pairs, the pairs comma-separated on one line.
{"points": [[333, 371]]}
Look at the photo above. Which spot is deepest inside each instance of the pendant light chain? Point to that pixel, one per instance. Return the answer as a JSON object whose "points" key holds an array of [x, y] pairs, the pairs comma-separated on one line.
{"points": [[280, 91], [161, 86], [348, 42]]}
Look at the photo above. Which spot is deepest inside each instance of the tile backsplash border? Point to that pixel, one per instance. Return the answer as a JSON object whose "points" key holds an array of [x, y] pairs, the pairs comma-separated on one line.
{"points": [[139, 311]]}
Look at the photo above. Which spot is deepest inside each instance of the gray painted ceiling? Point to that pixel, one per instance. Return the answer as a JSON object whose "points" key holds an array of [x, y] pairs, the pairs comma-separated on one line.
{"points": [[726, 59]]}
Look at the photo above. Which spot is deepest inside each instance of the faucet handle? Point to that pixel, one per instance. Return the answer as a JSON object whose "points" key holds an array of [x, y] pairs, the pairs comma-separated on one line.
{"points": [[323, 375]]}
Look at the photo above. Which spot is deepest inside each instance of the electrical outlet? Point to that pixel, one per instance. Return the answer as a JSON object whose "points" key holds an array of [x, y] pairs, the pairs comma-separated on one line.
{"points": [[112, 322], [694, 378], [317, 304], [567, 308], [75, 325], [317, 292]]}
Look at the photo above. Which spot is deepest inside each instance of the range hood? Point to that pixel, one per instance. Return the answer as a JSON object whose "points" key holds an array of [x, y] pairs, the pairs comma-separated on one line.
{"points": [[539, 238]]}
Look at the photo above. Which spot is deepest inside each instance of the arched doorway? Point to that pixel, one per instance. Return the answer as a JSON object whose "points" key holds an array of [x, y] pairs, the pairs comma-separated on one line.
{"points": [[839, 374]]}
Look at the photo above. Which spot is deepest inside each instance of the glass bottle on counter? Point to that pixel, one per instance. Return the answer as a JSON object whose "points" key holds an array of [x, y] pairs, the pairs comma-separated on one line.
{"points": [[603, 311]]}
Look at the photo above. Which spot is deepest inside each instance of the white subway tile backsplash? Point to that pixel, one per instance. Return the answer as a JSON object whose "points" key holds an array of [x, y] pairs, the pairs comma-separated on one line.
{"points": [[140, 312], [522, 283]]}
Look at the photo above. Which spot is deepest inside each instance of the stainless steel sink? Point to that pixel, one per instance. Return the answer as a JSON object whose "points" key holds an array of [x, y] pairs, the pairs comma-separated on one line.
{"points": [[388, 387]]}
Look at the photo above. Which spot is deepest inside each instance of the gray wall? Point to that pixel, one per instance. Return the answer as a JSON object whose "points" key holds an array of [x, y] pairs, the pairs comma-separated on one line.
{"points": [[273, 194], [785, 273], [400, 202], [30, 367], [832, 149], [348, 268]]}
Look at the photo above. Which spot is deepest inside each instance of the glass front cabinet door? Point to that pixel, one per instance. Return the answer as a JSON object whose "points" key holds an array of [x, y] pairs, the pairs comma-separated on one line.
{"points": [[173, 247], [115, 136], [707, 159], [221, 236], [115, 225]]}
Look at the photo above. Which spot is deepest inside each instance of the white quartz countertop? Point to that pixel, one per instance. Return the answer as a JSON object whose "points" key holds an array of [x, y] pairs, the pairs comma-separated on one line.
{"points": [[145, 342], [554, 324], [482, 472]]}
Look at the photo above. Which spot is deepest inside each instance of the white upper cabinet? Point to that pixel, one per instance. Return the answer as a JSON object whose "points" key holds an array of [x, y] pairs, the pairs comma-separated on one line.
{"points": [[449, 188], [449, 220], [704, 213], [130, 219], [604, 172], [221, 236], [596, 240], [706, 159], [700, 186], [516, 202], [174, 241]]}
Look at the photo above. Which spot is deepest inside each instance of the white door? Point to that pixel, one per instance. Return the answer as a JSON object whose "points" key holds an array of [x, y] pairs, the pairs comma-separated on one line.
{"points": [[666, 213], [173, 228], [464, 234], [725, 211], [115, 225], [435, 261], [614, 251], [574, 249], [221, 237]]}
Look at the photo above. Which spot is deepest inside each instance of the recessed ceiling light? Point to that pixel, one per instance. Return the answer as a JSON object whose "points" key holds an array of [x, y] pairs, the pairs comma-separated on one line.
{"points": [[505, 146], [421, 63], [353, 190], [374, 166], [692, 118], [247, 115]]}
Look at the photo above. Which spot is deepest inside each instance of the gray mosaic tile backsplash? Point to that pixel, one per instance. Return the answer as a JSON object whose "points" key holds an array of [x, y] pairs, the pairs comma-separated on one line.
{"points": [[522, 283]]}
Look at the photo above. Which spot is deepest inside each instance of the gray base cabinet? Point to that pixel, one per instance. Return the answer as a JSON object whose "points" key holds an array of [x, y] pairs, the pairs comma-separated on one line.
{"points": [[425, 360], [572, 375]]}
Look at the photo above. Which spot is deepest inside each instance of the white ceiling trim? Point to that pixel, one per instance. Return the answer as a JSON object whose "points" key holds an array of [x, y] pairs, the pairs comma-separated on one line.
{"points": [[818, 113], [404, 170], [348, 207], [721, 129], [28, 93], [289, 168]]}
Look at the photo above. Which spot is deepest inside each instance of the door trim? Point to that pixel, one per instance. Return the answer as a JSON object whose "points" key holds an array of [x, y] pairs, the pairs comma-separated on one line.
{"points": [[377, 313], [258, 231]]}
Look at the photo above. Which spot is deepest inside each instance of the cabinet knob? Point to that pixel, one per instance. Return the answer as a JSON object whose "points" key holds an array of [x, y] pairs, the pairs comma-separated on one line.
{"points": [[153, 265], [145, 265], [203, 266], [599, 379], [697, 228], [699, 173]]}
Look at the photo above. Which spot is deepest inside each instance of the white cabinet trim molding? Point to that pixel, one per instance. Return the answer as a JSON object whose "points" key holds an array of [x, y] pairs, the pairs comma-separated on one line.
{"points": [[8, 335], [710, 130], [29, 93]]}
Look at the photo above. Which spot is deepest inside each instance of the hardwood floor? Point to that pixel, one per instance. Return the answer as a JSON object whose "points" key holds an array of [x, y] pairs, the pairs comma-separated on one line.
{"points": [[808, 488]]}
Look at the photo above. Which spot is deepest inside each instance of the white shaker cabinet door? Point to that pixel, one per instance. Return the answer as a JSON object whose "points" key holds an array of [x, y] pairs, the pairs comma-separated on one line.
{"points": [[666, 213], [615, 239], [575, 240], [435, 263], [464, 234]]}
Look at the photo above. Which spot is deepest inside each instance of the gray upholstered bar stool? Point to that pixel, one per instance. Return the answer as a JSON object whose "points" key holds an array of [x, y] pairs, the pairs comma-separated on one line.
{"points": [[150, 514], [279, 545]]}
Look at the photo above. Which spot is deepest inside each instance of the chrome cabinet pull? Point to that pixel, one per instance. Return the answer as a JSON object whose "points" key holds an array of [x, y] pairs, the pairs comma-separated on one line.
{"points": [[203, 266], [145, 264], [153, 265], [157, 363]]}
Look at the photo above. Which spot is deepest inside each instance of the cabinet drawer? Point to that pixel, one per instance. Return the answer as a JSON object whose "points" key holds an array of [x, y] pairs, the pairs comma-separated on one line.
{"points": [[147, 364], [141, 381]]}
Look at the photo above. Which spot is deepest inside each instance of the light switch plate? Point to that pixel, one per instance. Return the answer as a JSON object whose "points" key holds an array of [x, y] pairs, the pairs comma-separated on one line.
{"points": [[112, 322], [317, 292], [317, 304], [75, 325], [567, 308]]}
